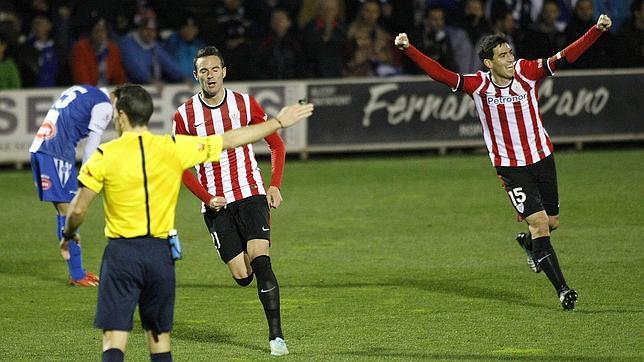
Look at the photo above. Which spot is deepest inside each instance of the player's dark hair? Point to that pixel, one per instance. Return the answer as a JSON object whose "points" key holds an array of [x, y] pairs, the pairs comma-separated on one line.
{"points": [[635, 6], [136, 102], [206, 52], [486, 50]]}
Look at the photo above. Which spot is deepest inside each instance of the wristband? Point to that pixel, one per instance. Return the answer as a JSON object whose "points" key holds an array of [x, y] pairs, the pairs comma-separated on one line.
{"points": [[278, 121]]}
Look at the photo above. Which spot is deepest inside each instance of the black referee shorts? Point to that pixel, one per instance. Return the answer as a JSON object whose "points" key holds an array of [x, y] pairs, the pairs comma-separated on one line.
{"points": [[240, 221], [136, 271], [532, 188]]}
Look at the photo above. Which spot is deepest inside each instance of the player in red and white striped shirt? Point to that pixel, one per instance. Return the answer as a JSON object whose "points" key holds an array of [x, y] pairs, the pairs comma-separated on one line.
{"points": [[235, 202], [506, 100]]}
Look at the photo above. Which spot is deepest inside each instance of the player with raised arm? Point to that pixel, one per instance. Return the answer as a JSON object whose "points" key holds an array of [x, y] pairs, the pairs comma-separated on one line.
{"points": [[139, 175], [235, 202], [506, 100], [81, 111]]}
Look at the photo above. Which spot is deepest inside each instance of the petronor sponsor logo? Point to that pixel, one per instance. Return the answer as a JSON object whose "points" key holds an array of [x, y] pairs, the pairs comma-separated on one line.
{"points": [[45, 182], [47, 130], [506, 99]]}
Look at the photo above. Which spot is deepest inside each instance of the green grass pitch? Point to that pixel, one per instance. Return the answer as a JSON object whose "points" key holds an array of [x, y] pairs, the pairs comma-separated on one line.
{"points": [[400, 258]]}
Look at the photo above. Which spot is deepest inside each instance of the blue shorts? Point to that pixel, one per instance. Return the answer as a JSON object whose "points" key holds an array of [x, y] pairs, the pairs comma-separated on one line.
{"points": [[136, 271], [55, 179]]}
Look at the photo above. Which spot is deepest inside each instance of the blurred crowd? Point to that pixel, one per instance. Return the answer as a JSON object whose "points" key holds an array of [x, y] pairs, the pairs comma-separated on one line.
{"points": [[48, 43]]}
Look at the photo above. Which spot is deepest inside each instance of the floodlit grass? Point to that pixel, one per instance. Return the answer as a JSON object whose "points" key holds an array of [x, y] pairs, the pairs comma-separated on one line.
{"points": [[378, 258]]}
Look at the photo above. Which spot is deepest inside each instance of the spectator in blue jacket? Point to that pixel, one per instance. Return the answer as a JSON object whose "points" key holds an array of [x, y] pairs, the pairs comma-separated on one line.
{"points": [[144, 59], [184, 44]]}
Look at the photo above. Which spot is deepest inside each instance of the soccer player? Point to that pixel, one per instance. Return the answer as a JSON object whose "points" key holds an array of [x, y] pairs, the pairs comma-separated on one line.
{"points": [[235, 202], [81, 111], [506, 100], [140, 176]]}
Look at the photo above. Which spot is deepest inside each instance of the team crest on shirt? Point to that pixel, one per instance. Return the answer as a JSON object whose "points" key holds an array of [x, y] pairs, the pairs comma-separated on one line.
{"points": [[234, 116], [47, 130], [520, 208]]}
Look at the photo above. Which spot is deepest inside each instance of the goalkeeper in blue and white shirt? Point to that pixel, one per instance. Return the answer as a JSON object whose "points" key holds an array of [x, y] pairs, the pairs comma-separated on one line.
{"points": [[81, 111]]}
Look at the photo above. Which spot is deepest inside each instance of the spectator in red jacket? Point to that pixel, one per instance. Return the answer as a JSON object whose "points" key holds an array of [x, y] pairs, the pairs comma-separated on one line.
{"points": [[96, 60]]}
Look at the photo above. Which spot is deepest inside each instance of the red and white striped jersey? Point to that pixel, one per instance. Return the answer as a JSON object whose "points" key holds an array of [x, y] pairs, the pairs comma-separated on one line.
{"points": [[512, 125], [236, 176]]}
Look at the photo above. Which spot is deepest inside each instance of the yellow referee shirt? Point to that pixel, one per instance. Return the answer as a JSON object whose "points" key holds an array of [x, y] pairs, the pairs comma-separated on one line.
{"points": [[140, 175]]}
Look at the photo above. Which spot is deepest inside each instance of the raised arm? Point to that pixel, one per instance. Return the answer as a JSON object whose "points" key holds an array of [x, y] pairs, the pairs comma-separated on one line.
{"points": [[287, 117], [202, 149], [573, 51], [429, 65]]}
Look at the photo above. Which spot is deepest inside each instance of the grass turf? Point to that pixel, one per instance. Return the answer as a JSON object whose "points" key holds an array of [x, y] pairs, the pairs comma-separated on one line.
{"points": [[377, 258]]}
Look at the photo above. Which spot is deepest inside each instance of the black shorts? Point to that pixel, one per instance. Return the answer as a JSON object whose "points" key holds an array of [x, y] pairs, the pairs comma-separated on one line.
{"points": [[532, 188], [136, 271], [240, 221]]}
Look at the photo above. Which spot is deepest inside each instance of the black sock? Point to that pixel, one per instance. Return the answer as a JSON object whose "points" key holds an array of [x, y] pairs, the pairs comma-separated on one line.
{"points": [[161, 357], [269, 294], [528, 241], [244, 281], [113, 355], [547, 259]]}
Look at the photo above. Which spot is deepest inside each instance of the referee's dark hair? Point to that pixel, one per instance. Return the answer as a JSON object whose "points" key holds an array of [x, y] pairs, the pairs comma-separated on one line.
{"points": [[206, 52], [486, 50], [136, 102]]}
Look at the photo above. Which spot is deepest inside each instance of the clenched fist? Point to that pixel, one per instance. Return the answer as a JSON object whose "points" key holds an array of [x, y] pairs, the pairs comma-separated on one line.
{"points": [[604, 22], [401, 41]]}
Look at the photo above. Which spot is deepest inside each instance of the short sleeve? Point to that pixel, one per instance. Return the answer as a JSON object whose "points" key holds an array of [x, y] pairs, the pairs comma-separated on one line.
{"points": [[193, 150], [101, 116], [92, 174]]}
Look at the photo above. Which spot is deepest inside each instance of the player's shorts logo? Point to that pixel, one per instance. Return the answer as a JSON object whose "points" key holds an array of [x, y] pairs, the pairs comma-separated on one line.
{"points": [[45, 182], [47, 130], [63, 169]]}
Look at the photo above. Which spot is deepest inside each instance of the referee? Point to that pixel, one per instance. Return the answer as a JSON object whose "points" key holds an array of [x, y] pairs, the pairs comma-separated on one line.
{"points": [[140, 175]]}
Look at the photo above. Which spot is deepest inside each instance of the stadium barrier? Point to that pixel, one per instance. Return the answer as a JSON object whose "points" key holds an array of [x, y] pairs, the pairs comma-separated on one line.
{"points": [[399, 113]]}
